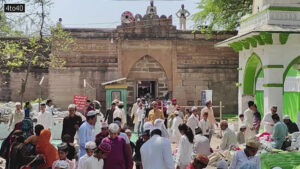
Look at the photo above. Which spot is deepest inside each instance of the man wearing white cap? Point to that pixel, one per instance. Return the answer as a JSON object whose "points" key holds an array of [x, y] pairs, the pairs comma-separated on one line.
{"points": [[248, 155], [193, 121], [268, 121], [292, 127], [120, 113], [155, 113], [16, 116], [102, 134], [89, 148], [86, 131], [156, 152], [120, 156], [175, 131]]}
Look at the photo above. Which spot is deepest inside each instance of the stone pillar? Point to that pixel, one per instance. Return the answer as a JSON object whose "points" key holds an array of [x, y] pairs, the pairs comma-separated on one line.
{"points": [[273, 89]]}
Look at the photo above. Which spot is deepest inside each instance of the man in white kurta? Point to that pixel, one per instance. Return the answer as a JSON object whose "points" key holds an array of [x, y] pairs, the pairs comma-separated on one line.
{"points": [[206, 127], [175, 131], [16, 116], [249, 118], [248, 155], [229, 137], [156, 153], [268, 121], [193, 120], [45, 118], [120, 113], [134, 114], [201, 143]]}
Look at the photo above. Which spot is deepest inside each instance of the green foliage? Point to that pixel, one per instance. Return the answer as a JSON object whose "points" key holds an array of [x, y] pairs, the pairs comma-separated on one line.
{"points": [[220, 14]]}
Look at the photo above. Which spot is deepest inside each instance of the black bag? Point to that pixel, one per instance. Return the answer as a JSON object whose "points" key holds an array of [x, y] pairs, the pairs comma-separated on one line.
{"points": [[287, 143]]}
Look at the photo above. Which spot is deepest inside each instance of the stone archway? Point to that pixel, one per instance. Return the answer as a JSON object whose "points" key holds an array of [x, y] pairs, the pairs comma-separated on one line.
{"points": [[146, 69]]}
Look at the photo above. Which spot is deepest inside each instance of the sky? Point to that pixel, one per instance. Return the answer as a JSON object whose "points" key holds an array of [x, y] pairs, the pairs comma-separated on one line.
{"points": [[107, 13]]}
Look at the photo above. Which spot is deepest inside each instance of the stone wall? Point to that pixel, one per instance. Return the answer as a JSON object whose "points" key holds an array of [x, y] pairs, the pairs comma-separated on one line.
{"points": [[201, 66], [11, 85]]}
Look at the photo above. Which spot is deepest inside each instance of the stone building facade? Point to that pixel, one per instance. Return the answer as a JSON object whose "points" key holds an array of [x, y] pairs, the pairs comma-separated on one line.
{"points": [[176, 63]]}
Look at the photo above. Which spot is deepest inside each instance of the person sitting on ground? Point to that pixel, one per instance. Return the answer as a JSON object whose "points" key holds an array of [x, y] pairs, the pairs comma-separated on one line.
{"points": [[229, 138], [201, 143], [132, 145], [47, 149], [292, 127], [62, 164], [268, 121], [201, 161], [185, 148], [72, 154], [241, 134], [102, 134], [89, 148], [280, 132], [34, 139], [222, 164], [96, 161], [63, 152], [249, 154]]}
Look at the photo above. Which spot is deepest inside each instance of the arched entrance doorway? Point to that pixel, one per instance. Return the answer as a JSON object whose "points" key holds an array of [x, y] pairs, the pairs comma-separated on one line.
{"points": [[146, 78], [291, 90], [253, 81]]}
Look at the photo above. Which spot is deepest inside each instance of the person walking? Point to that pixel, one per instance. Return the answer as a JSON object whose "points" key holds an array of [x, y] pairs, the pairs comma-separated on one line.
{"points": [[185, 149]]}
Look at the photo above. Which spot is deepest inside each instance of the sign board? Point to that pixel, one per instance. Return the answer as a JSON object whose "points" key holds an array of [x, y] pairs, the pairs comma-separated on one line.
{"points": [[206, 95], [80, 101]]}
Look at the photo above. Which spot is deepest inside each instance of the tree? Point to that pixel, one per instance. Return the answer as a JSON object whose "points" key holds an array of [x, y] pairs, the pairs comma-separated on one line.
{"points": [[36, 50], [220, 14]]}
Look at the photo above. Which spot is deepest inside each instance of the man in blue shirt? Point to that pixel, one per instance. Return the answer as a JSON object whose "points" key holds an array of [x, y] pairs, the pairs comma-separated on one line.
{"points": [[86, 131], [280, 132]]}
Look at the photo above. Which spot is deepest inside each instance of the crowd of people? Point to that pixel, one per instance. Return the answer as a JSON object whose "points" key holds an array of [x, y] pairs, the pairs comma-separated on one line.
{"points": [[158, 125]]}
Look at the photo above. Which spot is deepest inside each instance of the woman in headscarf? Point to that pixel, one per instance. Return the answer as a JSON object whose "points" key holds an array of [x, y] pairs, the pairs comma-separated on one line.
{"points": [[47, 149], [6, 144]]}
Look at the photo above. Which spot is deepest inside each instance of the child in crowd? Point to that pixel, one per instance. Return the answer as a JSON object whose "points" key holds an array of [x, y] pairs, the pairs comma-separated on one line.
{"points": [[96, 161], [72, 154], [63, 152], [206, 127], [242, 120], [241, 134], [89, 148]]}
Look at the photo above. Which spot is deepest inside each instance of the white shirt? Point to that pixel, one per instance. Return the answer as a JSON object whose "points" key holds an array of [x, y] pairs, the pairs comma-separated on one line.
{"points": [[175, 131], [193, 122], [15, 118], [140, 113], [205, 125], [81, 161], [125, 137], [267, 121], [228, 139], [201, 145], [49, 109], [45, 119], [121, 114], [249, 118], [93, 163], [240, 158], [156, 153], [185, 150]]}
